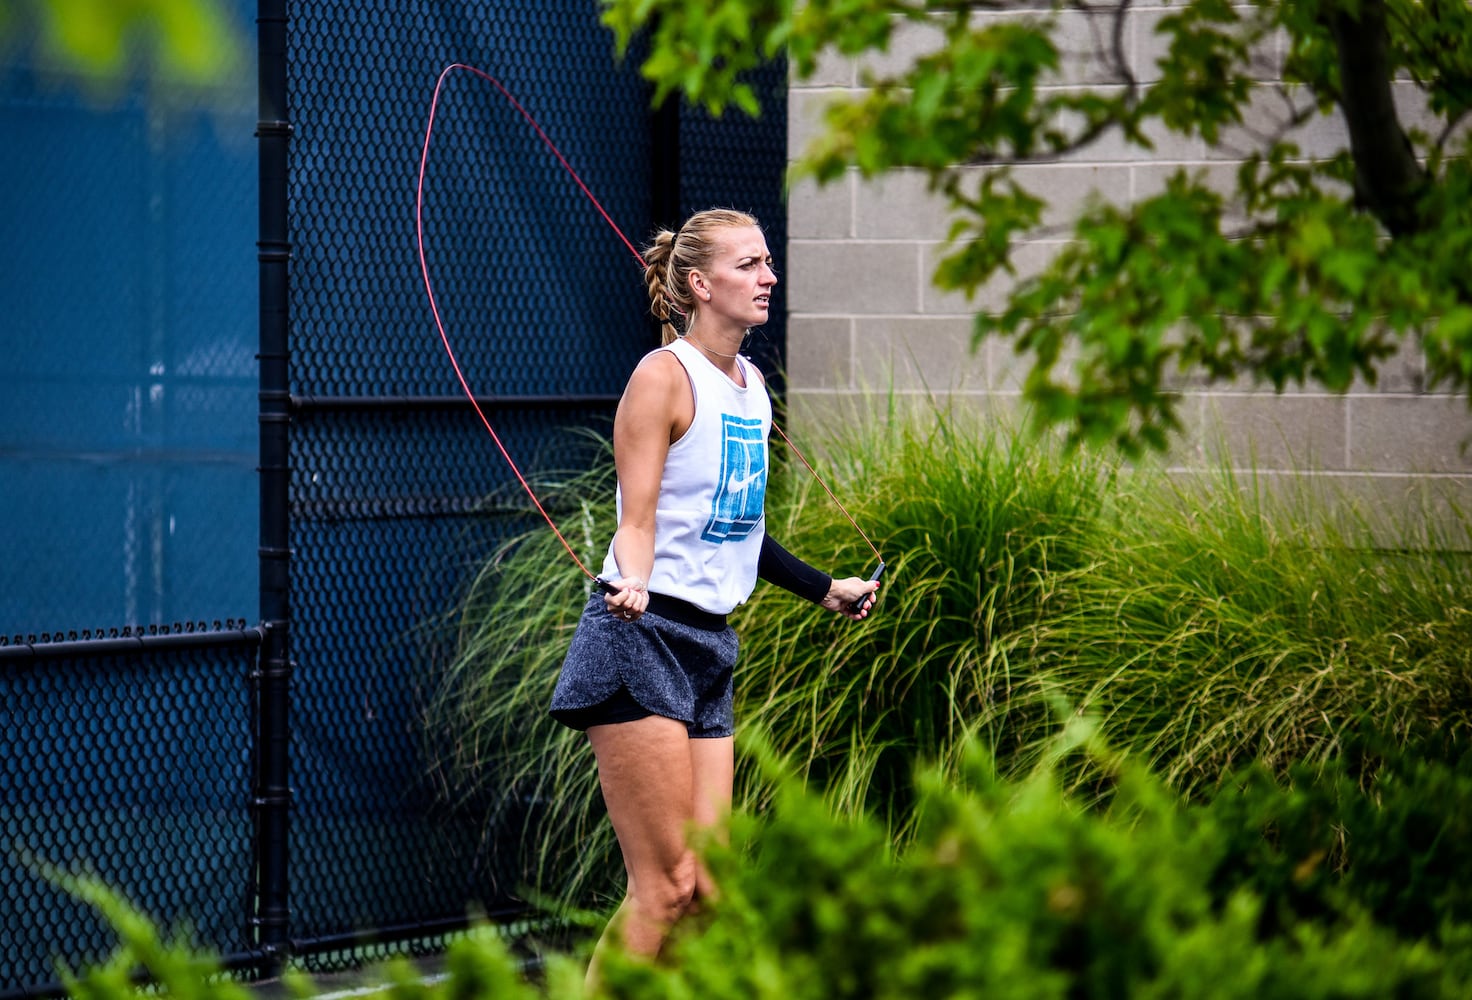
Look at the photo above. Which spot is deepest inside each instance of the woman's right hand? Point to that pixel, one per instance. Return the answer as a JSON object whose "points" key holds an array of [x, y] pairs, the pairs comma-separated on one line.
{"points": [[630, 600]]}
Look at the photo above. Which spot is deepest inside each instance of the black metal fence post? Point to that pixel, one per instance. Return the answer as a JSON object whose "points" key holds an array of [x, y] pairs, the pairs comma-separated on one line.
{"points": [[664, 166], [271, 794]]}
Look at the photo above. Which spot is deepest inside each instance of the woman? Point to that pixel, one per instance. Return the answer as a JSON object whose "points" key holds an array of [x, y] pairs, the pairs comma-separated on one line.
{"points": [[648, 674]]}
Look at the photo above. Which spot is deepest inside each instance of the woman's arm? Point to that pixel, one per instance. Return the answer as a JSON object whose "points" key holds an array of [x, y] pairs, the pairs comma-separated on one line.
{"points": [[787, 571], [777, 565], [656, 409]]}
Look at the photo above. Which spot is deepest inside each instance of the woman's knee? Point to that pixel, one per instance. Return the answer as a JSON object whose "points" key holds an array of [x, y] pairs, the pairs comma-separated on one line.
{"points": [[665, 896]]}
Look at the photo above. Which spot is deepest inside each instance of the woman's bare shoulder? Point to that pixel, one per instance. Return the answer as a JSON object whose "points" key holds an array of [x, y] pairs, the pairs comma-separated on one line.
{"points": [[658, 372]]}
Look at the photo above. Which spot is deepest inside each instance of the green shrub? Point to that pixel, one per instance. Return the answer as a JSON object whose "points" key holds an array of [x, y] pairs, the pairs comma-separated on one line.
{"points": [[176, 967], [1385, 833], [1017, 889], [477, 964]]}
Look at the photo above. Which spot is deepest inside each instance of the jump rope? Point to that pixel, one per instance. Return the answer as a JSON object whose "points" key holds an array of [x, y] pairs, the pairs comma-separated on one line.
{"points": [[434, 309]]}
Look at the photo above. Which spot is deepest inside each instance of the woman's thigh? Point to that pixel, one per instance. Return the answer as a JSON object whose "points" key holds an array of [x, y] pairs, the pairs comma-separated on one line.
{"points": [[646, 772], [712, 768], [658, 784]]}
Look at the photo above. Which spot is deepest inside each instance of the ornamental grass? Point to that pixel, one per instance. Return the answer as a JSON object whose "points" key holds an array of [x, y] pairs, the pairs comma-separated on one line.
{"points": [[1203, 624]]}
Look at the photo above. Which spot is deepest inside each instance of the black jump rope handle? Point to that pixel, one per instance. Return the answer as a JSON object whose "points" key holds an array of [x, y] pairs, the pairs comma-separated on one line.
{"points": [[867, 599], [855, 607]]}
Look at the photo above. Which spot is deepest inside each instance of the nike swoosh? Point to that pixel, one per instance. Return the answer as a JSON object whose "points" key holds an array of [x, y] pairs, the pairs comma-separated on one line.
{"points": [[735, 485]]}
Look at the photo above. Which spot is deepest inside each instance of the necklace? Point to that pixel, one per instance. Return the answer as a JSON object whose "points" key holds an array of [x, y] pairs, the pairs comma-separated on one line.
{"points": [[707, 349]]}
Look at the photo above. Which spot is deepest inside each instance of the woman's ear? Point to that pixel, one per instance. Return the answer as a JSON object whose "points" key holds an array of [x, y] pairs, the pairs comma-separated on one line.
{"points": [[698, 287]]}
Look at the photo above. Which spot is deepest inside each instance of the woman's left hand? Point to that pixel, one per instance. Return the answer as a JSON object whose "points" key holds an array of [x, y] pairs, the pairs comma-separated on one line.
{"points": [[843, 594]]}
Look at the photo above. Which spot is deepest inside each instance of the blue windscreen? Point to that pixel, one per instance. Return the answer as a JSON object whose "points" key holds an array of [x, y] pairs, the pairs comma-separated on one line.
{"points": [[129, 321]]}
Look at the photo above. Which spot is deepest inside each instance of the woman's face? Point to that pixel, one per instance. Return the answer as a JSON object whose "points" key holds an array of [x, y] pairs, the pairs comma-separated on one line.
{"points": [[737, 286]]}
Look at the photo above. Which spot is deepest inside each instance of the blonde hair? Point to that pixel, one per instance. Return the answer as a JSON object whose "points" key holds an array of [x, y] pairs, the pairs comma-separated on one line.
{"points": [[669, 260]]}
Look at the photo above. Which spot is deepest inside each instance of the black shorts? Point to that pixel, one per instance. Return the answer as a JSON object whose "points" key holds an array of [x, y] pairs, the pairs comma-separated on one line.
{"points": [[674, 661]]}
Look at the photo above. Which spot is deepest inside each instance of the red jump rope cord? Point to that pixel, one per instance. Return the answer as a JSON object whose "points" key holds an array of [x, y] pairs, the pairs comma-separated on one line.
{"points": [[445, 339]]}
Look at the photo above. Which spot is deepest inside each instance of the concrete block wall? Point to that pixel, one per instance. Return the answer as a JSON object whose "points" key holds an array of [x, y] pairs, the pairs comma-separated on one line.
{"points": [[865, 321]]}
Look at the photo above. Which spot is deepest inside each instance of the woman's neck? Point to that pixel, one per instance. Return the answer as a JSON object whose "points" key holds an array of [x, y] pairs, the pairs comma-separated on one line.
{"points": [[719, 347]]}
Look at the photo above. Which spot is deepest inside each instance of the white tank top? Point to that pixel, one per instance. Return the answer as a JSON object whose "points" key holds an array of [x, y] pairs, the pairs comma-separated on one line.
{"points": [[710, 520]]}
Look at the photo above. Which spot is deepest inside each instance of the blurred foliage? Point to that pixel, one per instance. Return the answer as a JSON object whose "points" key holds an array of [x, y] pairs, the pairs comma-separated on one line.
{"points": [[1306, 269], [182, 43], [1014, 888], [1347, 883]]}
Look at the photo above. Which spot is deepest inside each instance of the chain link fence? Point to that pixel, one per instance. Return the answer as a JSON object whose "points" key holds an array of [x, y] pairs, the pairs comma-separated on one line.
{"points": [[124, 757], [144, 763]]}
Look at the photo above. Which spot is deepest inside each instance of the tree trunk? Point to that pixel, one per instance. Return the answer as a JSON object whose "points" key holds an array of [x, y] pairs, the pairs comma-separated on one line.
{"points": [[1388, 180]]}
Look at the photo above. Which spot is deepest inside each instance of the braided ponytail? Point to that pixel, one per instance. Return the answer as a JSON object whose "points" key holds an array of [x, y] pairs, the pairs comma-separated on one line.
{"points": [[656, 266]]}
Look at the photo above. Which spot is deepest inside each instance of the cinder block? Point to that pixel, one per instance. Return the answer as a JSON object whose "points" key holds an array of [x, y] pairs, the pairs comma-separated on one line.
{"points": [[1028, 259], [1415, 113], [1177, 380], [1268, 61], [1416, 512], [1151, 46], [812, 415], [1185, 448], [833, 69], [902, 206], [805, 117], [821, 212], [1395, 512], [1403, 372], [935, 301], [965, 407], [853, 279], [863, 304], [1111, 146], [820, 353], [1084, 40], [899, 206], [1414, 434], [1007, 367], [1007, 411], [1149, 179], [1086, 45], [1270, 432], [917, 353], [1413, 108], [1069, 188], [910, 41], [1268, 117]]}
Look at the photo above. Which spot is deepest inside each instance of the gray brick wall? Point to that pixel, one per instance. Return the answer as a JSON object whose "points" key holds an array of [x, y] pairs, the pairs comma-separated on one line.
{"points": [[866, 321]]}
